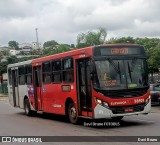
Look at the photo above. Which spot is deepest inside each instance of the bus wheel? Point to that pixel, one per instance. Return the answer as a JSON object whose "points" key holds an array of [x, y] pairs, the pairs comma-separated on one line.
{"points": [[72, 113], [27, 108], [118, 118]]}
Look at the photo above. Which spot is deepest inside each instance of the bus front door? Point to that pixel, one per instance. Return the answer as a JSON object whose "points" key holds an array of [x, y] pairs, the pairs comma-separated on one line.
{"points": [[37, 82], [14, 73], [84, 85]]}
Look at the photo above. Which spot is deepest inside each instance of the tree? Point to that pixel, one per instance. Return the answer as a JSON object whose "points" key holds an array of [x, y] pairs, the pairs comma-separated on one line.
{"points": [[91, 38], [12, 59], [51, 43], [57, 49], [37, 52], [153, 60], [13, 44], [72, 46], [63, 48], [3, 67], [121, 40], [48, 51]]}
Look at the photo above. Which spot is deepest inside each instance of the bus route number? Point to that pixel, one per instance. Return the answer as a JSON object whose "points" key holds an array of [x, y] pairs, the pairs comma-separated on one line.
{"points": [[138, 101]]}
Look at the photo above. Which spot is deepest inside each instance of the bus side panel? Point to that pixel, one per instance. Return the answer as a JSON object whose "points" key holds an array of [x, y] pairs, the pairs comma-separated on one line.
{"points": [[10, 91], [51, 95], [64, 94], [54, 98], [10, 94], [48, 97], [22, 93]]}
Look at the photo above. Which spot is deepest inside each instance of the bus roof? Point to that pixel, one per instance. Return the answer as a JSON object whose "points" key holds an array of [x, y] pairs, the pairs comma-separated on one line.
{"points": [[20, 63], [87, 50], [119, 44]]}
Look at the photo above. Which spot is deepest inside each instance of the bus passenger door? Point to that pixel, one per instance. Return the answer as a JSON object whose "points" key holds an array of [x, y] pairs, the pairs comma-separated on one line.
{"points": [[84, 85], [15, 87], [37, 82]]}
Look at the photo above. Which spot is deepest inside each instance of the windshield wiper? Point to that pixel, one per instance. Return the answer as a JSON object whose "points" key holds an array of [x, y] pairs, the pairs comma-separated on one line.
{"points": [[129, 71], [119, 72], [115, 67]]}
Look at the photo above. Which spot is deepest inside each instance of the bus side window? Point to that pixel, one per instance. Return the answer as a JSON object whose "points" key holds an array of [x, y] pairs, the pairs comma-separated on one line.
{"points": [[21, 73], [56, 71], [47, 72], [28, 74], [68, 75]]}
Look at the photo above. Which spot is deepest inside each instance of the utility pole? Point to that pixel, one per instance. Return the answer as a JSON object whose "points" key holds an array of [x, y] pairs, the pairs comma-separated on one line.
{"points": [[37, 37]]}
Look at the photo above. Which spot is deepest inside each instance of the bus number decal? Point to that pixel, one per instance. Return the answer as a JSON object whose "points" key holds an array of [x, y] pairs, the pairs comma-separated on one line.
{"points": [[66, 88], [138, 101]]}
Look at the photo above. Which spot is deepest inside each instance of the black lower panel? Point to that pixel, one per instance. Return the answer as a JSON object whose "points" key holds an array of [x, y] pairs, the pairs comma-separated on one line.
{"points": [[121, 110]]}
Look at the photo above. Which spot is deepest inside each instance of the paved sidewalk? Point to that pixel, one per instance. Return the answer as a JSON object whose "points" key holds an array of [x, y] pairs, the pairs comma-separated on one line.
{"points": [[3, 97]]}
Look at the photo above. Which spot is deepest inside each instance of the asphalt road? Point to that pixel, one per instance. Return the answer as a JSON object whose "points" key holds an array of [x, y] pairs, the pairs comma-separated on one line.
{"points": [[13, 122]]}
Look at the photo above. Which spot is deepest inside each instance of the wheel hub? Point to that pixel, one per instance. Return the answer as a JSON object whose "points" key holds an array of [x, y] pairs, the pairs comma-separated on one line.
{"points": [[73, 112], [27, 109]]}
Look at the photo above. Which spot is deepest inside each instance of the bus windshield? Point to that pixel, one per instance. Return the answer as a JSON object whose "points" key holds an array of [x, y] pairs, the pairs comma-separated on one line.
{"points": [[114, 74]]}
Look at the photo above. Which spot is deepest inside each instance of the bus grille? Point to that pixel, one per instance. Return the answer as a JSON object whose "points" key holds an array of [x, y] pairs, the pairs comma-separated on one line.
{"points": [[121, 110], [125, 93]]}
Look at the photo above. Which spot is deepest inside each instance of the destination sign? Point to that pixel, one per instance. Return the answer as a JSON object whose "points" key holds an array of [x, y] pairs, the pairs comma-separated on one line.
{"points": [[119, 50]]}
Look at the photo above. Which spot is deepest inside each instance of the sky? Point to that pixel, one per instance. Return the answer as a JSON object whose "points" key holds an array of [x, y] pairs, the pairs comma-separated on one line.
{"points": [[63, 20]]}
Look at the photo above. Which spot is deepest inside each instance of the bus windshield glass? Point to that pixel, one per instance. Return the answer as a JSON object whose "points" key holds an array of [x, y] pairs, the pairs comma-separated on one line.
{"points": [[114, 74]]}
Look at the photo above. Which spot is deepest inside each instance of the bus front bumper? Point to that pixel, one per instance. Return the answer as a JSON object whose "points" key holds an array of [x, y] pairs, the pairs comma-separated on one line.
{"points": [[102, 112]]}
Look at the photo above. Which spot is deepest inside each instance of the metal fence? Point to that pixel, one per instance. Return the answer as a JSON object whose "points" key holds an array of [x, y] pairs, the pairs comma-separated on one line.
{"points": [[3, 88]]}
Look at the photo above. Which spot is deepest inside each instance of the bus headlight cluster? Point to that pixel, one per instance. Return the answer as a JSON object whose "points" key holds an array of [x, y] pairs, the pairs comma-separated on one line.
{"points": [[148, 99], [102, 103]]}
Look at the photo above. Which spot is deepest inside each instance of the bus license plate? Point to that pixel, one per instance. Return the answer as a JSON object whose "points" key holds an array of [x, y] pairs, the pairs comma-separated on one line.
{"points": [[128, 110]]}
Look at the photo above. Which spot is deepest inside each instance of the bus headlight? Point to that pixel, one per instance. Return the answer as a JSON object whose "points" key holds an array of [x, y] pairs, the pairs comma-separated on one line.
{"points": [[102, 103], [98, 101], [148, 99]]}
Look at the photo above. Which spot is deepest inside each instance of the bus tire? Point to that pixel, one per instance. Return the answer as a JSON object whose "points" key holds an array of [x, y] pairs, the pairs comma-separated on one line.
{"points": [[27, 108], [72, 113], [118, 118]]}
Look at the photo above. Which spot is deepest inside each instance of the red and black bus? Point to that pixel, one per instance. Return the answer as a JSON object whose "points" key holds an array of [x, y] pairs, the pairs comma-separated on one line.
{"points": [[105, 81]]}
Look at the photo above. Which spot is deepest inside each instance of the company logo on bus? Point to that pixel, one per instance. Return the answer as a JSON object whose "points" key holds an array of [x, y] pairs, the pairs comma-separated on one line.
{"points": [[119, 103], [119, 51]]}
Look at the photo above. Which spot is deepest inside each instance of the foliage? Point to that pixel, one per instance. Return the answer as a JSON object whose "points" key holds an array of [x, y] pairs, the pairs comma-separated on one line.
{"points": [[51, 43], [37, 52], [121, 40], [3, 67], [57, 49], [91, 38], [4, 53], [72, 46], [11, 60], [13, 44]]}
